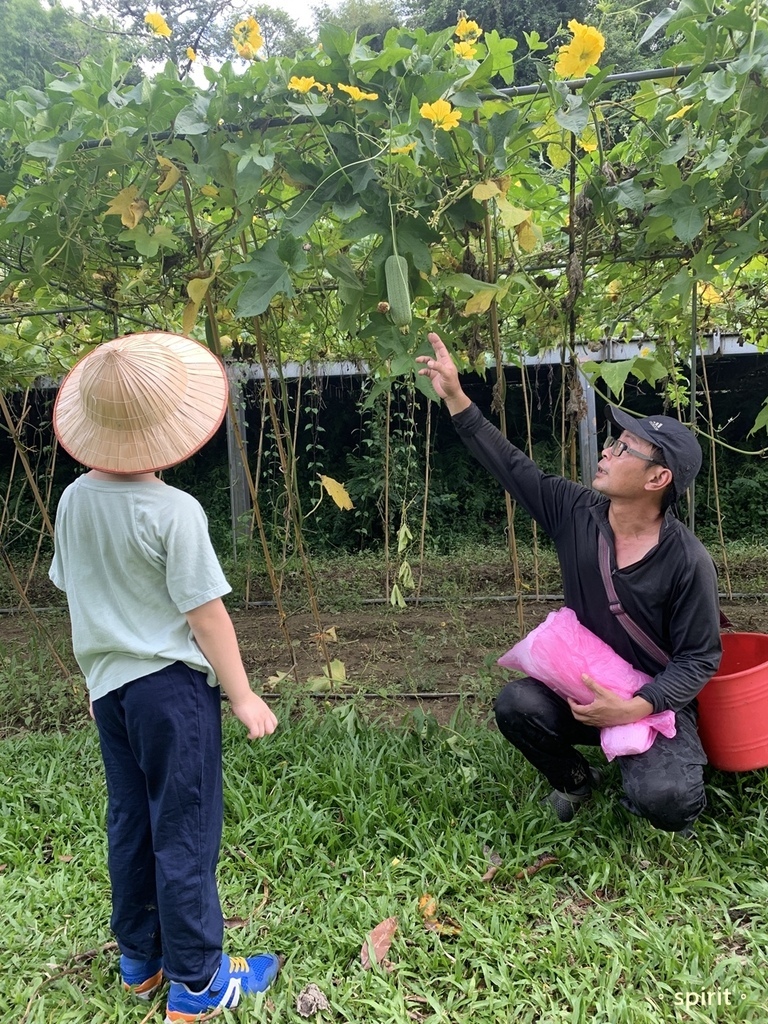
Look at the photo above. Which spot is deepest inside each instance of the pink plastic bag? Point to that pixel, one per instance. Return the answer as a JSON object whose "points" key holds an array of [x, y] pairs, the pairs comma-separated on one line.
{"points": [[561, 650]]}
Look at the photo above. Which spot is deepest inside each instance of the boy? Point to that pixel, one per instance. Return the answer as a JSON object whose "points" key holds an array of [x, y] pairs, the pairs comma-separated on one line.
{"points": [[154, 642]]}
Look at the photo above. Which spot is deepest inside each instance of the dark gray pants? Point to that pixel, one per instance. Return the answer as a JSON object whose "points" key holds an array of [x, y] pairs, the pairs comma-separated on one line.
{"points": [[665, 784]]}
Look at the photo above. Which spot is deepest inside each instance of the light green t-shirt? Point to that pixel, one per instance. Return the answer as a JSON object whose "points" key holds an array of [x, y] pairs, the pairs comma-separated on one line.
{"points": [[132, 559]]}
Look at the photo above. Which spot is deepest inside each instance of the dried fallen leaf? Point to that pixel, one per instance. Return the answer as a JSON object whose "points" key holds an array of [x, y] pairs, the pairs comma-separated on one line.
{"points": [[494, 863], [377, 943], [328, 635], [235, 922], [441, 924], [311, 1000], [427, 905], [541, 862]]}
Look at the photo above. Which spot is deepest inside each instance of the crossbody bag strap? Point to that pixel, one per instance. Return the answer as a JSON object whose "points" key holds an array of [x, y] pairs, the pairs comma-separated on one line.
{"points": [[617, 609]]}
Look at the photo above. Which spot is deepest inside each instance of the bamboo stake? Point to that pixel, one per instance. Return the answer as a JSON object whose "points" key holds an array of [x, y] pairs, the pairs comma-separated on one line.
{"points": [[423, 533], [529, 440], [48, 491], [292, 498], [25, 463], [718, 510], [499, 400], [214, 327], [31, 611], [386, 488]]}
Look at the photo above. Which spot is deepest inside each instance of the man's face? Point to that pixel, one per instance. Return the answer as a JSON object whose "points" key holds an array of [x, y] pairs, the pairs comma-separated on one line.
{"points": [[624, 470]]}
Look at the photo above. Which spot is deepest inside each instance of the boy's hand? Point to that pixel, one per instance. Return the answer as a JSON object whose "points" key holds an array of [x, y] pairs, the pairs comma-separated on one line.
{"points": [[255, 716]]}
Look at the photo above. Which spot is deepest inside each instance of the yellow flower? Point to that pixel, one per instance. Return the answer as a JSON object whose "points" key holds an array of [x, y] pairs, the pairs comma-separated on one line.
{"points": [[303, 84], [679, 114], [157, 23], [247, 38], [403, 149], [441, 113], [468, 31], [357, 94], [191, 53], [464, 50], [582, 52]]}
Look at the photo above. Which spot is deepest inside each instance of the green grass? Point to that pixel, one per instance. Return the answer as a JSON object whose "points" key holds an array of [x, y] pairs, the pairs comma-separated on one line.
{"points": [[342, 824]]}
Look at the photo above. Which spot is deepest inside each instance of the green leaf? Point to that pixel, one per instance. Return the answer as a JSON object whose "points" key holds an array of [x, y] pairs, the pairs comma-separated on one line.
{"points": [[761, 422], [267, 276], [189, 121], [336, 42], [146, 244], [501, 50], [721, 86], [687, 224], [629, 195], [658, 23], [47, 150], [574, 114], [614, 374]]}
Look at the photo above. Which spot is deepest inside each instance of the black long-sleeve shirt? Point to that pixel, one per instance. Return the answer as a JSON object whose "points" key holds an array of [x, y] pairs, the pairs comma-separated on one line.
{"points": [[671, 593]]}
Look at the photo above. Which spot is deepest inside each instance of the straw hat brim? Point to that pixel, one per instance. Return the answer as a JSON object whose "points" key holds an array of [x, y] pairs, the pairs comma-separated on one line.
{"points": [[140, 403]]}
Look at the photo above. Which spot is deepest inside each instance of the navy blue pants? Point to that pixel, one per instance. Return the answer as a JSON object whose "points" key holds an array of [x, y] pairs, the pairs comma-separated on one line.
{"points": [[160, 739], [665, 784]]}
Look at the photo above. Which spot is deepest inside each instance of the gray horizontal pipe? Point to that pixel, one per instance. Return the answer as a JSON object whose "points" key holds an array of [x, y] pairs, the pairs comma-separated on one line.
{"points": [[481, 599], [647, 75]]}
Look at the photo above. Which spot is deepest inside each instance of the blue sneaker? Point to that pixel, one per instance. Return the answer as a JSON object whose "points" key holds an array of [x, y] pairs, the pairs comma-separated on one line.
{"points": [[142, 978], [236, 977]]}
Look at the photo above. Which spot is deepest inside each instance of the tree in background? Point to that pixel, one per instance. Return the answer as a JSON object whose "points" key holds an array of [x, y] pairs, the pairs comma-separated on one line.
{"points": [[37, 36], [205, 28], [366, 17]]}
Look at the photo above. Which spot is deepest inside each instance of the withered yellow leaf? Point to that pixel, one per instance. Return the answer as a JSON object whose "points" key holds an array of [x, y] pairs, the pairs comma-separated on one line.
{"points": [[338, 671], [337, 491], [480, 302], [558, 155], [128, 207], [209, 190], [189, 316], [171, 175], [485, 190], [197, 287], [511, 215], [527, 236]]}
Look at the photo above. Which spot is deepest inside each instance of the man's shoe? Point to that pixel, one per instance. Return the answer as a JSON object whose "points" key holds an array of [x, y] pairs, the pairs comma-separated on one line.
{"points": [[236, 977], [142, 978], [565, 805]]}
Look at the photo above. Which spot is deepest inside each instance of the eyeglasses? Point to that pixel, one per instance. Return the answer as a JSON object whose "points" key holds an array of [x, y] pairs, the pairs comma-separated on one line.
{"points": [[617, 448]]}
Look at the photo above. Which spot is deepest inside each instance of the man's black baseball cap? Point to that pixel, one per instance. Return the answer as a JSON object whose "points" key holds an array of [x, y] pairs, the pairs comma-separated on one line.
{"points": [[682, 452]]}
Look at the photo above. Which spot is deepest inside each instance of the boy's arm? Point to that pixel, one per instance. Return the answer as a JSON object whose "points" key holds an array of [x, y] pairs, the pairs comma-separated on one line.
{"points": [[215, 635]]}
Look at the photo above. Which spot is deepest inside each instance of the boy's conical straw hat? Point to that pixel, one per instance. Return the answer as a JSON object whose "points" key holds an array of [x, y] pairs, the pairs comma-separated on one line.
{"points": [[140, 403]]}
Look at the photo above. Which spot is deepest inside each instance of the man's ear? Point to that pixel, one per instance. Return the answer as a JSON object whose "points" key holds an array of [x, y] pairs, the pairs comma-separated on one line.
{"points": [[658, 479]]}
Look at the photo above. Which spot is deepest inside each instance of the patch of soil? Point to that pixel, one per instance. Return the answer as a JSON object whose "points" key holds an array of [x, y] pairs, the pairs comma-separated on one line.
{"points": [[432, 656]]}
